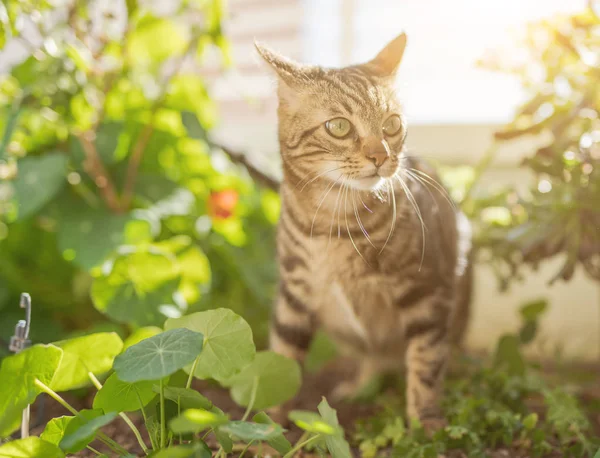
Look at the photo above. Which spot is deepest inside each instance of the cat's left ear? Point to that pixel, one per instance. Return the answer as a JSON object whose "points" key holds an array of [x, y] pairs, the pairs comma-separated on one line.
{"points": [[289, 71], [387, 62]]}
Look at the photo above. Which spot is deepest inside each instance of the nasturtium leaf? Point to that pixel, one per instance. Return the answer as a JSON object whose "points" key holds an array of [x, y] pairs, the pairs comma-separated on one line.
{"points": [[139, 288], [55, 429], [79, 434], [197, 450], [79, 223], [39, 180], [187, 398], [94, 353], [278, 442], [18, 374], [140, 334], [154, 39], [228, 343], [312, 422], [30, 447], [533, 310], [248, 431], [159, 356], [119, 396], [278, 379], [336, 444], [195, 420]]}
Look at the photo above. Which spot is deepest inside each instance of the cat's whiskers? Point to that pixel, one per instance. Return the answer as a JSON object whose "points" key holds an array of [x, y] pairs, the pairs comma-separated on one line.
{"points": [[348, 226], [394, 216], [318, 176], [325, 193], [358, 220], [433, 182], [418, 180], [335, 208], [363, 202], [415, 206]]}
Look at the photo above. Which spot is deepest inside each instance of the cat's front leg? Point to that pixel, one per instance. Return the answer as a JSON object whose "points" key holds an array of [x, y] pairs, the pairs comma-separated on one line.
{"points": [[427, 354]]}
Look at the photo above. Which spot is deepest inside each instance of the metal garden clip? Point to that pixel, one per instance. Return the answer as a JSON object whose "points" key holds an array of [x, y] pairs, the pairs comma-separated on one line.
{"points": [[19, 342]]}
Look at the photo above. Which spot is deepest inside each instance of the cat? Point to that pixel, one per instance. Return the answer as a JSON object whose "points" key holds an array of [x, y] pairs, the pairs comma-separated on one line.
{"points": [[370, 247]]}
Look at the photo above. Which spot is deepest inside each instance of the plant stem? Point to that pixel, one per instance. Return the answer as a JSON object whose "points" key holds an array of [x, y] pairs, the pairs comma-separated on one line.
{"points": [[125, 418], [300, 446], [163, 427], [191, 376], [152, 443], [54, 395], [245, 449], [252, 399], [93, 450]]}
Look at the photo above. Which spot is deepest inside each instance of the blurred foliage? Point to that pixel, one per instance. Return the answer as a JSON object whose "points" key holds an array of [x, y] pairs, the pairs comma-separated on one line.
{"points": [[559, 214], [112, 198]]}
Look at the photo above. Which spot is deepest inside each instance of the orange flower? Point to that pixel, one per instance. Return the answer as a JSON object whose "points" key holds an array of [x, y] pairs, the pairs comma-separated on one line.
{"points": [[221, 204]]}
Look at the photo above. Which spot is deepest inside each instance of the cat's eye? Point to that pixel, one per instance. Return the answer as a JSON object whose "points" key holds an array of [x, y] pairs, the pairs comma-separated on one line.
{"points": [[392, 125], [338, 127]]}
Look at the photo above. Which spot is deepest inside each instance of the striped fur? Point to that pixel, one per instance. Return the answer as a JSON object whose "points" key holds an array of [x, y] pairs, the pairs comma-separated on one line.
{"points": [[379, 262]]}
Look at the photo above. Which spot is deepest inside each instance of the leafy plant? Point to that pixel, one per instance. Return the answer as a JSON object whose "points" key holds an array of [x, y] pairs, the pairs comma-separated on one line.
{"points": [[505, 404], [557, 214], [109, 200], [140, 381]]}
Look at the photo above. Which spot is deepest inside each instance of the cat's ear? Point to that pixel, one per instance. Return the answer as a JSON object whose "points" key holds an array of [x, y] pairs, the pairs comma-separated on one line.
{"points": [[289, 71], [387, 62]]}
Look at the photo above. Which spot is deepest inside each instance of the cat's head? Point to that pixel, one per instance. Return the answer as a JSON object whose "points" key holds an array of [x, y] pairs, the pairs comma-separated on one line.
{"points": [[346, 124]]}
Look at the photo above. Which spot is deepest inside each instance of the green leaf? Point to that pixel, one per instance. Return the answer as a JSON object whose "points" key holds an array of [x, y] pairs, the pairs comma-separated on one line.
{"points": [[247, 431], [154, 39], [39, 180], [530, 421], [337, 445], [278, 442], [31, 447], [119, 396], [186, 397], [55, 429], [198, 450], [139, 289], [528, 332], [533, 310], [159, 356], [94, 353], [192, 125], [312, 422], [508, 355], [228, 343], [79, 434], [195, 420], [140, 334], [17, 381], [278, 377], [79, 222]]}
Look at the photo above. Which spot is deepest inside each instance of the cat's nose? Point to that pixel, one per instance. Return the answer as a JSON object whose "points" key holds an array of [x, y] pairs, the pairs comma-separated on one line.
{"points": [[375, 150]]}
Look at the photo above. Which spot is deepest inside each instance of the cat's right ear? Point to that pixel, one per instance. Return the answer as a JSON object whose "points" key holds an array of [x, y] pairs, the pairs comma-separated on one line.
{"points": [[289, 71]]}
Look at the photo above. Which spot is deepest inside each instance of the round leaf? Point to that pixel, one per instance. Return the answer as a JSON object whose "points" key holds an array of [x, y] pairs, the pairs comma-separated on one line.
{"points": [[228, 343], [94, 353], [140, 334], [279, 442], [78, 435], [195, 420], [199, 450], [248, 432], [31, 447], [39, 180], [139, 289], [55, 429], [311, 422], [119, 396], [17, 381], [159, 356], [186, 398], [278, 378]]}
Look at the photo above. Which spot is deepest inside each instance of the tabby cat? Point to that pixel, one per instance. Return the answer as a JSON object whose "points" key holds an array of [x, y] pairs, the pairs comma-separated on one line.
{"points": [[370, 247]]}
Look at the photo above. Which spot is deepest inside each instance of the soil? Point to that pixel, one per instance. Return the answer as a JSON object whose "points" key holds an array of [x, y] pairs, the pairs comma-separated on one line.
{"points": [[314, 387]]}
